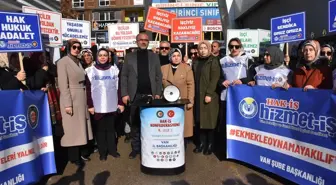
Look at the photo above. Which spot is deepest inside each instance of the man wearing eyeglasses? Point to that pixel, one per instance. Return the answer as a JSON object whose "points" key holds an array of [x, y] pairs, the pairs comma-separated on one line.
{"points": [[164, 51], [141, 77]]}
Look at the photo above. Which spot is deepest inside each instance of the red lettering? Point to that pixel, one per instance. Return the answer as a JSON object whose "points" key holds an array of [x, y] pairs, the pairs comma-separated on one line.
{"points": [[43, 145]]}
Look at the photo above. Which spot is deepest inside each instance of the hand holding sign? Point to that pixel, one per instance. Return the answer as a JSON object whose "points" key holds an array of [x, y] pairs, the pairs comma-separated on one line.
{"points": [[21, 76]]}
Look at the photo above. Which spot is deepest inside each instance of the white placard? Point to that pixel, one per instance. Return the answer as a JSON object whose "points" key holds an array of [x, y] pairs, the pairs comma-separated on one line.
{"points": [[249, 39], [153, 44], [212, 28], [138, 2], [123, 35], [77, 29], [51, 26]]}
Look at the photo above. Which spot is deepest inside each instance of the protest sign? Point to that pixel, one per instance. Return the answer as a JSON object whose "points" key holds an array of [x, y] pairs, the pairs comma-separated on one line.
{"points": [[77, 29], [26, 141], [186, 29], [51, 26], [123, 35], [211, 20], [159, 21], [288, 28], [160, 4], [282, 134], [332, 16], [19, 32], [249, 39]]}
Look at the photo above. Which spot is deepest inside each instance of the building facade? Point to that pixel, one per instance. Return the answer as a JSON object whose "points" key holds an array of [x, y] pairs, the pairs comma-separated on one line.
{"points": [[104, 12], [16, 5], [258, 13]]}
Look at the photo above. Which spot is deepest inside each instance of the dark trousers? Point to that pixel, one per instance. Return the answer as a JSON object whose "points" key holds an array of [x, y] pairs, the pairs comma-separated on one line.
{"points": [[136, 122], [221, 140], [105, 135], [75, 152], [207, 136]]}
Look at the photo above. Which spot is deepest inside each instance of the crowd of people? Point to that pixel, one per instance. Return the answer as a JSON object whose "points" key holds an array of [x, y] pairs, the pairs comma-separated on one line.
{"points": [[94, 92]]}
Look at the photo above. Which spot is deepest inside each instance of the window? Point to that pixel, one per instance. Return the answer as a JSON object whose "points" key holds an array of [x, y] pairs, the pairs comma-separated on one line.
{"points": [[104, 2], [77, 3], [95, 16], [207, 35], [80, 16], [106, 16]]}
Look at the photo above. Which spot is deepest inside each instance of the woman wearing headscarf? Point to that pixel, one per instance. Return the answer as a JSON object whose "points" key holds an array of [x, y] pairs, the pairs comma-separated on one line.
{"points": [[311, 73], [181, 75], [104, 101], [327, 52], [74, 110], [41, 74], [273, 72], [207, 73], [86, 58], [36, 69]]}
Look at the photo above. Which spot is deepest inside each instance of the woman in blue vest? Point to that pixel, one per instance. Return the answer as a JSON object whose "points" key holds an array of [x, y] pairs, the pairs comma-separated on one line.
{"points": [[104, 102], [273, 72]]}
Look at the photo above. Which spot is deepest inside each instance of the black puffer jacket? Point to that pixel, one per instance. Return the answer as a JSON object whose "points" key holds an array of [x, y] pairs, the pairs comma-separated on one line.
{"points": [[8, 81]]}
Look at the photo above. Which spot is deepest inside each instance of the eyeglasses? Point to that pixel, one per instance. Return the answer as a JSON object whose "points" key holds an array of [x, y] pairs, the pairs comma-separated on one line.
{"points": [[193, 54], [76, 47], [164, 48], [234, 46], [323, 53]]}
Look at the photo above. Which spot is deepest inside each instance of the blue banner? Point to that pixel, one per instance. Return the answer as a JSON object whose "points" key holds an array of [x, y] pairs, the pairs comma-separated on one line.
{"points": [[332, 16], [19, 32], [26, 142], [162, 140], [289, 133], [288, 28], [210, 15]]}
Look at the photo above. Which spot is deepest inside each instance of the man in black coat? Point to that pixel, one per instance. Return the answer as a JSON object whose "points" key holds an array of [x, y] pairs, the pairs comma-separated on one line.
{"points": [[140, 77]]}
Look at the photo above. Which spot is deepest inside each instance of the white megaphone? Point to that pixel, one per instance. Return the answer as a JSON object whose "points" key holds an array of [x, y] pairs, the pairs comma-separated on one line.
{"points": [[171, 93]]}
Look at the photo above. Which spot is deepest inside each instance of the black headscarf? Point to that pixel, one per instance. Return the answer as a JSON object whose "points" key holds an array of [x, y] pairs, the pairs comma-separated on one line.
{"points": [[107, 64], [277, 57]]}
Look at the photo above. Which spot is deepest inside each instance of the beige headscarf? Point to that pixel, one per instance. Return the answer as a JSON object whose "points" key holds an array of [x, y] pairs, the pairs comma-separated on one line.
{"points": [[207, 43], [317, 48]]}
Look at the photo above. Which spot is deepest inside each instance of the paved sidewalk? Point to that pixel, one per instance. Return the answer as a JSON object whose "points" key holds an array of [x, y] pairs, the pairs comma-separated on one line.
{"points": [[200, 169]]}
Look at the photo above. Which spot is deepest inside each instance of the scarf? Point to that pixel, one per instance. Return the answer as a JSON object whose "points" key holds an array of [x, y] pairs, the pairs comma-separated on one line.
{"points": [[277, 58]]}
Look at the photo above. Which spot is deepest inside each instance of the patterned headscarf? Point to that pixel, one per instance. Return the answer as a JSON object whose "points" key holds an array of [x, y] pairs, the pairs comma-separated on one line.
{"points": [[172, 51]]}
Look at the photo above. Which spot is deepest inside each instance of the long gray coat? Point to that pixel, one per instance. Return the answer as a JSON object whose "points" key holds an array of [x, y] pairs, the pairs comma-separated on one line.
{"points": [[129, 75], [71, 81]]}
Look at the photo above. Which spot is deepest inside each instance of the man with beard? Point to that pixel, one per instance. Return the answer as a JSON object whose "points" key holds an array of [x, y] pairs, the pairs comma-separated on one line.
{"points": [[141, 77], [164, 51]]}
